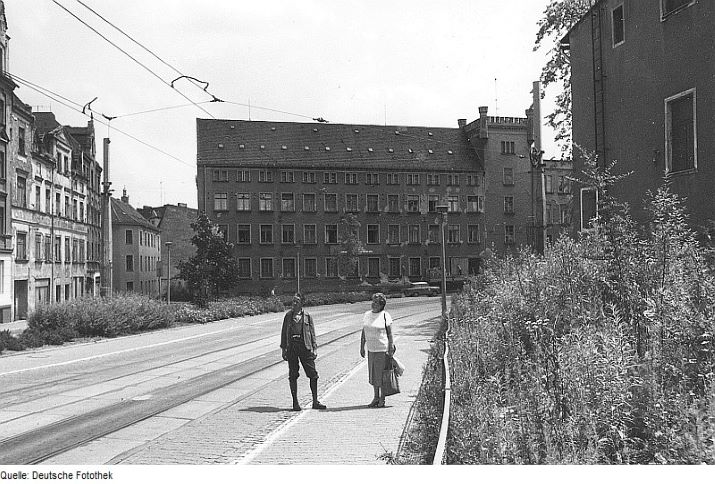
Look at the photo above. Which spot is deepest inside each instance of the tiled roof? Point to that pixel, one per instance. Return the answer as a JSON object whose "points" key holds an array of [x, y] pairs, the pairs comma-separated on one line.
{"points": [[316, 145], [125, 214]]}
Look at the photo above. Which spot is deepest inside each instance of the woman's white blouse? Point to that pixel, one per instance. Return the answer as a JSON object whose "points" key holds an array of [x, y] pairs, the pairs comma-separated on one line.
{"points": [[373, 324]]}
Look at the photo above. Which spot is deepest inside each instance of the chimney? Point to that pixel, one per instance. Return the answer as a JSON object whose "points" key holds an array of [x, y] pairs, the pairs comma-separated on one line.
{"points": [[483, 122], [461, 123], [182, 205], [125, 198]]}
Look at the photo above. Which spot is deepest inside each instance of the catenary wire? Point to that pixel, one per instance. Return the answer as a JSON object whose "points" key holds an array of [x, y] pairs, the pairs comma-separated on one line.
{"points": [[130, 56]]}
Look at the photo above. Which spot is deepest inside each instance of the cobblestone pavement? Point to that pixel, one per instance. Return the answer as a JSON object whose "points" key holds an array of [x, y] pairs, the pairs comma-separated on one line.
{"points": [[258, 427]]}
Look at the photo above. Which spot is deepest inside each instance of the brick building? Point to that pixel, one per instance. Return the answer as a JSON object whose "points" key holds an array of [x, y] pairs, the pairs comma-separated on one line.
{"points": [[136, 250], [643, 94], [174, 224], [7, 86]]}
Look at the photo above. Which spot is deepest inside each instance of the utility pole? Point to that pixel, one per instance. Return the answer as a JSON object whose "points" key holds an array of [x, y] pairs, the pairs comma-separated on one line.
{"points": [[168, 272], [536, 155], [106, 288]]}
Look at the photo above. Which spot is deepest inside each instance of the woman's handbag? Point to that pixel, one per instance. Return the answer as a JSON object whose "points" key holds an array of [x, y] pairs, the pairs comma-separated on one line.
{"points": [[390, 382]]}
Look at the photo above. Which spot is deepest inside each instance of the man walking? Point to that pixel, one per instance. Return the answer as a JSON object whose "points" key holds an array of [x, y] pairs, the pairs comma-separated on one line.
{"points": [[298, 343]]}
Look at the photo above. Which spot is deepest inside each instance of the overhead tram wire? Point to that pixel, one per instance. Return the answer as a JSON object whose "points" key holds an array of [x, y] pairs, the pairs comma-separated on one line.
{"points": [[65, 102], [130, 56]]}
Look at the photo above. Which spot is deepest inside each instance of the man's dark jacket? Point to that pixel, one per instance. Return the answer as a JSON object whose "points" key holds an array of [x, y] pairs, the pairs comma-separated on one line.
{"points": [[308, 331]]}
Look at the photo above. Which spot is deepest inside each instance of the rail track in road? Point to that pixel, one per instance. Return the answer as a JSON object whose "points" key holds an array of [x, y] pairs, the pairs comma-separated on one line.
{"points": [[38, 445]]}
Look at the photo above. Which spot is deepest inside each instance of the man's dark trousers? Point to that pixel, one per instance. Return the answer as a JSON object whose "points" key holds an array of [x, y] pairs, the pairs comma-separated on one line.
{"points": [[298, 352]]}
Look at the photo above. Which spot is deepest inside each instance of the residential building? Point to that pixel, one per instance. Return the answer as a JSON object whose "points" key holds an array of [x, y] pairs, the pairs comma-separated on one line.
{"points": [[136, 250], [557, 188], [174, 223], [643, 94], [279, 190], [7, 86]]}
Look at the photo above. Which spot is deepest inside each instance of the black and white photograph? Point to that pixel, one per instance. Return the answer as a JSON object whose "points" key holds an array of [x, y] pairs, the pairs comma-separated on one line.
{"points": [[274, 239]]}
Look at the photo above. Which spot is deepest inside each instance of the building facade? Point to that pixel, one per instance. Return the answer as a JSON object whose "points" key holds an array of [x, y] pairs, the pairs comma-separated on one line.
{"points": [[136, 250], [7, 87], [642, 88]]}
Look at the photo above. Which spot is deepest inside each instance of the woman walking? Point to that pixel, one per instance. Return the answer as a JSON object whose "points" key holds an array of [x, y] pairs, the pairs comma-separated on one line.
{"points": [[377, 336]]}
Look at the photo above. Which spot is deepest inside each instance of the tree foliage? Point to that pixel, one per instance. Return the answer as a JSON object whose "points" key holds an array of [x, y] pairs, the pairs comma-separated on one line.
{"points": [[213, 267], [350, 245], [559, 17]]}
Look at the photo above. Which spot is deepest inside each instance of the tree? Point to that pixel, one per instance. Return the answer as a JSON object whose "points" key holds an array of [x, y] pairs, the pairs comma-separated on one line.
{"points": [[350, 245], [559, 17], [213, 267]]}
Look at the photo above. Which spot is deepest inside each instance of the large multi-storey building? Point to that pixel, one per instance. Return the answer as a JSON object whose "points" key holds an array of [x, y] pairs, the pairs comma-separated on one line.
{"points": [[278, 191], [643, 94], [7, 86], [136, 250]]}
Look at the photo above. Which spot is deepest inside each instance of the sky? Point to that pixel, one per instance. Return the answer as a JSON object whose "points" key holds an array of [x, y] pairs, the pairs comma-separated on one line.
{"points": [[397, 62]]}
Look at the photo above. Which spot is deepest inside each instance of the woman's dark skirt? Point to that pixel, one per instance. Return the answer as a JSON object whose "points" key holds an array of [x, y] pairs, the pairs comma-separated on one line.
{"points": [[375, 365]]}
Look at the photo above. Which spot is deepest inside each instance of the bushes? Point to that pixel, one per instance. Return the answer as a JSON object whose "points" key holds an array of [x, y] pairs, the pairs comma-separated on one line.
{"points": [[228, 308], [601, 351]]}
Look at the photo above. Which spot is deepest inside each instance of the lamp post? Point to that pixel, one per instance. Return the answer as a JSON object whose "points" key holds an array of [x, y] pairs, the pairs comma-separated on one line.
{"points": [[168, 272], [442, 210]]}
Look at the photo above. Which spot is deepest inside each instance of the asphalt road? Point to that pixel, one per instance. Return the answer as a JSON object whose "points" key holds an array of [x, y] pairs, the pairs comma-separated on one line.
{"points": [[99, 402]]}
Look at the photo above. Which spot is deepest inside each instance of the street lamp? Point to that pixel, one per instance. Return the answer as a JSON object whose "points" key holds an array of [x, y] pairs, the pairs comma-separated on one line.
{"points": [[168, 272], [442, 209]]}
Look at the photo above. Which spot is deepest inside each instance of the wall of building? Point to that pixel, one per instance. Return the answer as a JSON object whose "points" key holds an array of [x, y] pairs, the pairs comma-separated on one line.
{"points": [[144, 248]]}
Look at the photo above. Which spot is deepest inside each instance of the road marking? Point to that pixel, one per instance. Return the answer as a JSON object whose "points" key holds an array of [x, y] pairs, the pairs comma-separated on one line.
{"points": [[282, 428]]}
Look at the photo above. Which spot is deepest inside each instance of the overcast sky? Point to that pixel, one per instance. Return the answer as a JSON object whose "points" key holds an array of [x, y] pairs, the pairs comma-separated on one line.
{"points": [[413, 63]]}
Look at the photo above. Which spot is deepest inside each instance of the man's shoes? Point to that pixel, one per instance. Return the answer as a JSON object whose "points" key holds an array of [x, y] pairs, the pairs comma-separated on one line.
{"points": [[318, 406], [296, 407], [381, 403], [374, 403]]}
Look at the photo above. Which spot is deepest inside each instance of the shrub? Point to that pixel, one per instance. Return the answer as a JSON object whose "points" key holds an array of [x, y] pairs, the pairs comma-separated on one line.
{"points": [[9, 342]]}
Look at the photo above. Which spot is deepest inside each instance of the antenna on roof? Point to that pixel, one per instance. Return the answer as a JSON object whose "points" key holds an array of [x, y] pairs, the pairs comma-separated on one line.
{"points": [[496, 98], [249, 108]]}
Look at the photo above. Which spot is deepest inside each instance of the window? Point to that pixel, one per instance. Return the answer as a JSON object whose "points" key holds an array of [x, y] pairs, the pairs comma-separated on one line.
{"points": [[373, 267], [37, 198], [509, 234], [288, 234], [266, 268], [75, 250], [68, 252], [220, 202], [351, 178], [564, 185], [288, 268], [618, 26], [413, 179], [453, 180], [266, 234], [130, 288], [67, 207], [331, 267], [589, 207], [415, 266], [549, 182], [472, 234], [287, 202], [129, 237], [58, 249], [373, 234], [331, 202], [413, 203], [220, 175], [21, 246], [243, 176], [244, 268], [565, 215], [372, 179], [508, 178], [21, 191], [509, 205], [453, 203], [309, 202], [287, 177], [373, 203], [265, 176], [57, 204], [48, 248], [453, 234], [393, 234], [393, 203], [310, 268], [433, 234], [394, 266], [351, 202], [265, 202], [130, 263], [310, 234], [413, 234], [475, 203], [393, 179], [432, 179], [473, 180], [507, 147], [308, 177], [331, 234], [2, 163], [21, 141], [243, 202], [330, 178], [244, 234], [680, 139], [672, 6], [432, 201]]}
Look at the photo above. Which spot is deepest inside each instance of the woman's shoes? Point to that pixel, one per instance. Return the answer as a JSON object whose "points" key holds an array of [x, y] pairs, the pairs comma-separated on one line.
{"points": [[374, 403], [381, 403]]}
